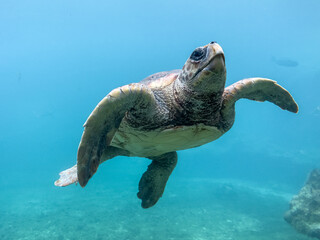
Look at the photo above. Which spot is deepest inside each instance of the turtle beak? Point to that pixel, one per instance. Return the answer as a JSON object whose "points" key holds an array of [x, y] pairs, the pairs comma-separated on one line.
{"points": [[216, 48], [217, 62]]}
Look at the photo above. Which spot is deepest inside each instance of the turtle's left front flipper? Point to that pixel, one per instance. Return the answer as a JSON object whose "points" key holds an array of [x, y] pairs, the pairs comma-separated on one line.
{"points": [[258, 89], [103, 123]]}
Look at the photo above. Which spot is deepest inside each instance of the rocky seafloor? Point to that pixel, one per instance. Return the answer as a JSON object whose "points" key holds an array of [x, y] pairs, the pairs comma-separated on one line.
{"points": [[304, 213]]}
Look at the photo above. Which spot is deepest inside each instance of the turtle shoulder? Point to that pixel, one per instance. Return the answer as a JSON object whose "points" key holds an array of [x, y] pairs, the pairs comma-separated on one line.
{"points": [[161, 79]]}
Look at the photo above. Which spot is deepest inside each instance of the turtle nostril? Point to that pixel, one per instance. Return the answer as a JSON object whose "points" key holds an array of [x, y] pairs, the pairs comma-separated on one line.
{"points": [[213, 42]]}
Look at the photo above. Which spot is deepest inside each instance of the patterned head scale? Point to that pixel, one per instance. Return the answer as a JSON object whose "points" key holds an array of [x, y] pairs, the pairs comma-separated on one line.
{"points": [[205, 70]]}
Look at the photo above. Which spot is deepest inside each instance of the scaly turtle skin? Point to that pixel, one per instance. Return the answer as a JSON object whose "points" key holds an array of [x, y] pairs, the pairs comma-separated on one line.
{"points": [[164, 113]]}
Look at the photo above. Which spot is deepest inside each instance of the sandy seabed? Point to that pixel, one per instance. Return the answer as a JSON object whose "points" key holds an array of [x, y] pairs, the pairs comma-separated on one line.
{"points": [[190, 209]]}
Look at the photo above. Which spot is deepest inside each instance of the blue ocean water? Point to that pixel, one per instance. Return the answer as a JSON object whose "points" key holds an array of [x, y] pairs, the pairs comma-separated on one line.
{"points": [[58, 59]]}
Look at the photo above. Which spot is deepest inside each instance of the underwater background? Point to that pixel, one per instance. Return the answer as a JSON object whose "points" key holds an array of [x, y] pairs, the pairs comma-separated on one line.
{"points": [[58, 59]]}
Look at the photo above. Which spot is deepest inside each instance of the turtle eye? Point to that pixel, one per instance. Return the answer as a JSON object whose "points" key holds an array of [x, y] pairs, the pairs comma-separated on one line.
{"points": [[198, 54]]}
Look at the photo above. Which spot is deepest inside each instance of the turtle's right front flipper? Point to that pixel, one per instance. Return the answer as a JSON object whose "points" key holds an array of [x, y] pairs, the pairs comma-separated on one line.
{"points": [[104, 121]]}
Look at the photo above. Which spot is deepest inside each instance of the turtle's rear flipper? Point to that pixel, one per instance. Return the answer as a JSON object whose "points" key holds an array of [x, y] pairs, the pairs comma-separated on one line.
{"points": [[67, 177], [154, 180]]}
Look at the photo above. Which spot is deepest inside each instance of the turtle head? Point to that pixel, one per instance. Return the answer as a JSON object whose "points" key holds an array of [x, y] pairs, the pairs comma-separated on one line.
{"points": [[204, 72]]}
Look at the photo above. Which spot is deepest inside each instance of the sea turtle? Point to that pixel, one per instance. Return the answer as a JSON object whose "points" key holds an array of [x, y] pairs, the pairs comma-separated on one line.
{"points": [[164, 113]]}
